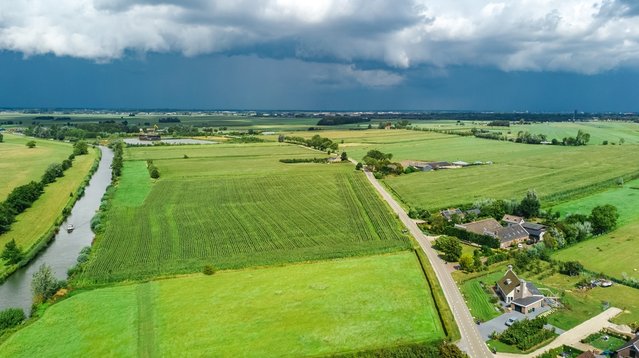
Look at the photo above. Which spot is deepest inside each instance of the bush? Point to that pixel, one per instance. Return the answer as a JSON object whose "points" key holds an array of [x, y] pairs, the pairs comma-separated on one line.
{"points": [[208, 270], [11, 317], [80, 148], [482, 240], [526, 334], [31, 144]]}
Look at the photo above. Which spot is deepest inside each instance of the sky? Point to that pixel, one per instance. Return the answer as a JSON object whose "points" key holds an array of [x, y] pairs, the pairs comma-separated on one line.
{"points": [[515, 55]]}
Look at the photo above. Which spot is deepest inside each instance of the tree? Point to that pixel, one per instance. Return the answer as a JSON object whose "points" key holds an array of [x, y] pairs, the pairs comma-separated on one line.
{"points": [[6, 218], [603, 218], [530, 205], [344, 157], [155, 173], [571, 268], [449, 350], [31, 144], [80, 147], [1, 138], [466, 262], [11, 253], [54, 171], [477, 259], [11, 317], [450, 246], [358, 166], [43, 284]]}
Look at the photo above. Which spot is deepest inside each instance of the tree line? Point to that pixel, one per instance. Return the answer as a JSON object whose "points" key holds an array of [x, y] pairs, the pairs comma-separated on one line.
{"points": [[316, 142]]}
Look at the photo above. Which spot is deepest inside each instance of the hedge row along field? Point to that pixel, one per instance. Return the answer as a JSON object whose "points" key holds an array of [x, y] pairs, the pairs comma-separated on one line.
{"points": [[207, 216]]}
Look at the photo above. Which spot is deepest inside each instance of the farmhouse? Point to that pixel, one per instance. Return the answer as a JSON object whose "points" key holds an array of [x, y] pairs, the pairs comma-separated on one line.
{"points": [[508, 236], [421, 166], [535, 231], [512, 220], [150, 134], [522, 296], [630, 349]]}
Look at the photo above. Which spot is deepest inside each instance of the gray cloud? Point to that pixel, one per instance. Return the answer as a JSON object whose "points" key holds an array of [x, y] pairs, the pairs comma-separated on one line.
{"points": [[567, 35]]}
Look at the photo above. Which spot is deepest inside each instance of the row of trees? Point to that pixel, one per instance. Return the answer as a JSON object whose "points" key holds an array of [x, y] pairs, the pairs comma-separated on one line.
{"points": [[317, 142], [154, 173], [118, 159], [380, 163]]}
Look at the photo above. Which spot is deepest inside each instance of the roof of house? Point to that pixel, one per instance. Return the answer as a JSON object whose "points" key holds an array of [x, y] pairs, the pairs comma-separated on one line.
{"points": [[527, 301], [512, 219], [533, 226], [509, 282], [533, 289], [587, 354], [460, 163], [448, 213], [473, 211], [488, 226], [633, 343], [510, 233]]}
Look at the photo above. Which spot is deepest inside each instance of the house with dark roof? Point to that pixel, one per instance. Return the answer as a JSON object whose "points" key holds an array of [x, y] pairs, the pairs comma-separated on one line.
{"points": [[508, 236], [512, 220], [449, 213], [535, 231], [630, 349], [522, 296]]}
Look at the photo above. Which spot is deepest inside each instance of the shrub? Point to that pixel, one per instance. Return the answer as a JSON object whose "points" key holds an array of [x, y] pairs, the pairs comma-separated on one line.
{"points": [[11, 253], [31, 144], [526, 334], [208, 270], [11, 317]]}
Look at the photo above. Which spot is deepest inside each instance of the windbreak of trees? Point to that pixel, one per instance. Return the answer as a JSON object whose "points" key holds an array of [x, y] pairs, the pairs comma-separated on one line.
{"points": [[118, 160], [380, 163], [317, 142]]}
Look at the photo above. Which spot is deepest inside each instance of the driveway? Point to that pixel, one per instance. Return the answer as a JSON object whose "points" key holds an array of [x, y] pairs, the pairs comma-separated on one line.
{"points": [[498, 324]]}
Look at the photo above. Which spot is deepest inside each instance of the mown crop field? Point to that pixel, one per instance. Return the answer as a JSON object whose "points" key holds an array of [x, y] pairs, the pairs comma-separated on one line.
{"points": [[479, 301], [38, 219], [312, 309], [556, 173], [230, 207], [19, 164]]}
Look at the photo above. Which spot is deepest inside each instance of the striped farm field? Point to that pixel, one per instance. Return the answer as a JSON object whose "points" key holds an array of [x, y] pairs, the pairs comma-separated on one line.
{"points": [[299, 310], [200, 213]]}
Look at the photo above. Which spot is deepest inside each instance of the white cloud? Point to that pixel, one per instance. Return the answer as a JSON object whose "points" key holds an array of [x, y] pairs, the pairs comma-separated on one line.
{"points": [[586, 36]]}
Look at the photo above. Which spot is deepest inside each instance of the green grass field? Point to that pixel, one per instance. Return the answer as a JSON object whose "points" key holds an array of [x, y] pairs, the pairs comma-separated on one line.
{"points": [[314, 309], [19, 164], [38, 219], [625, 198], [227, 207], [614, 253], [477, 300], [556, 173]]}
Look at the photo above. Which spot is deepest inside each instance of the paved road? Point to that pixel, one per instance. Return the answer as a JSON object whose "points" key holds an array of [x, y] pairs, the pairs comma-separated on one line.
{"points": [[571, 336], [471, 341]]}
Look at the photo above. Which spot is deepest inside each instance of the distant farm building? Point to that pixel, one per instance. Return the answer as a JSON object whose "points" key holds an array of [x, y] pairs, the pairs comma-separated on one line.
{"points": [[449, 214], [515, 233], [150, 134]]}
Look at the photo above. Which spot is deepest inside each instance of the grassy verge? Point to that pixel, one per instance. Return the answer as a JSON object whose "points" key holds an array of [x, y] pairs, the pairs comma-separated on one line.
{"points": [[38, 225], [445, 312]]}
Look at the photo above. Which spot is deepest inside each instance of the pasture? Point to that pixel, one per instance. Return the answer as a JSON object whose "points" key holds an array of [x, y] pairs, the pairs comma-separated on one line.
{"points": [[37, 220], [556, 173], [614, 254], [313, 309], [236, 206], [19, 164], [625, 198]]}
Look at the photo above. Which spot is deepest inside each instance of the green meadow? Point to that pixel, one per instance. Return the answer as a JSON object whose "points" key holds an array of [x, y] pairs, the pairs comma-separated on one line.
{"points": [[323, 308], [235, 206], [557, 173], [20, 165]]}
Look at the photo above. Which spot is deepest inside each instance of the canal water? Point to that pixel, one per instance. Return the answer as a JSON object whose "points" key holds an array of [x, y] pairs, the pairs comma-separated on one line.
{"points": [[62, 252]]}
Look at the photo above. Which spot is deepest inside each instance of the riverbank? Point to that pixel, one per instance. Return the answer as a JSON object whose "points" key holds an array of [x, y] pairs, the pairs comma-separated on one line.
{"points": [[37, 226]]}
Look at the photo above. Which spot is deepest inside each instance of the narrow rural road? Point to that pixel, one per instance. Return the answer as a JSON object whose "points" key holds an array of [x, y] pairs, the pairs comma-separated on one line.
{"points": [[471, 341]]}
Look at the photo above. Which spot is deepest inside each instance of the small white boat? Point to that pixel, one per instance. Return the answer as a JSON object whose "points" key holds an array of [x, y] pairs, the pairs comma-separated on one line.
{"points": [[70, 227]]}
